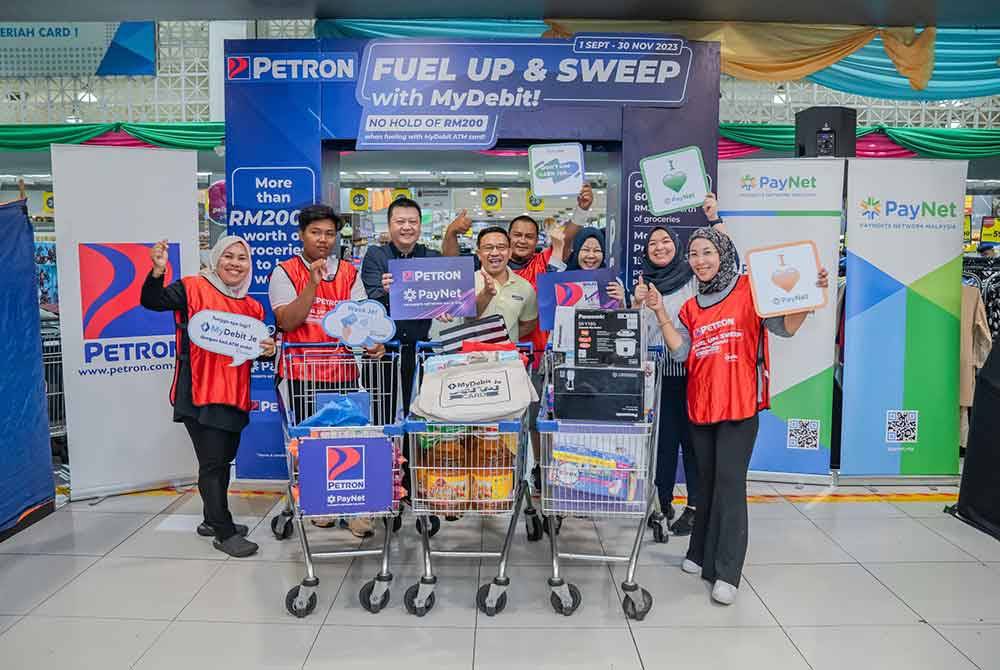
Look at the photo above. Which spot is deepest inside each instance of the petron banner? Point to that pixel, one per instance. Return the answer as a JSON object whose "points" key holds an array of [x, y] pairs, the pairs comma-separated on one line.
{"points": [[902, 317], [77, 49], [630, 95], [772, 202]]}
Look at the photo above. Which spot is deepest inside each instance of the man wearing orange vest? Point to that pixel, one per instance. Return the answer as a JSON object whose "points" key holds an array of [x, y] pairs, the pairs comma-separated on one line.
{"points": [[302, 290]]}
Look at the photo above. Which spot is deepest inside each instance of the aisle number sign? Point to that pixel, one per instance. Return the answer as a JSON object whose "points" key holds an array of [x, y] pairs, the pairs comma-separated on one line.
{"points": [[48, 202], [534, 202], [359, 200], [492, 200], [398, 193]]}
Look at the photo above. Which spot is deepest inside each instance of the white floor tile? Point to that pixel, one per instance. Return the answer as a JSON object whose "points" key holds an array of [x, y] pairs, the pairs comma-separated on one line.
{"points": [[775, 508], [979, 544], [780, 541], [418, 648], [932, 510], [556, 649], [240, 504], [718, 649], [465, 534], [174, 536], [813, 489], [891, 540], [913, 489], [761, 489], [617, 539], [578, 536], [528, 603], [230, 646], [43, 643], [320, 539], [74, 533], [959, 593], [254, 592], [684, 600], [134, 503], [131, 588], [826, 595], [885, 647], [26, 581], [7, 621], [980, 643], [849, 510], [454, 596]]}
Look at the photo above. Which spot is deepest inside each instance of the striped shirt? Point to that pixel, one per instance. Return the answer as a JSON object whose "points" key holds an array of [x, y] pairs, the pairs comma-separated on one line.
{"points": [[654, 337]]}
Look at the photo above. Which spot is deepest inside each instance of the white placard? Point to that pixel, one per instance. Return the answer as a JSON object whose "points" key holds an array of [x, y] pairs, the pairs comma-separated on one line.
{"points": [[235, 335], [783, 278], [556, 169], [118, 358], [674, 180], [360, 323]]}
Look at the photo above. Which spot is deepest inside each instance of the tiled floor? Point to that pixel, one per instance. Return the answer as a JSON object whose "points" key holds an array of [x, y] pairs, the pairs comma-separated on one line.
{"points": [[126, 583]]}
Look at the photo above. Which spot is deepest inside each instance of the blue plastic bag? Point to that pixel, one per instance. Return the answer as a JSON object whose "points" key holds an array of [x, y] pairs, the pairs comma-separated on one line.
{"points": [[337, 411]]}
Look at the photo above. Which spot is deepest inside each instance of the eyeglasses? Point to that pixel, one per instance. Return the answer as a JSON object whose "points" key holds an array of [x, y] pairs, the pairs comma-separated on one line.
{"points": [[490, 248]]}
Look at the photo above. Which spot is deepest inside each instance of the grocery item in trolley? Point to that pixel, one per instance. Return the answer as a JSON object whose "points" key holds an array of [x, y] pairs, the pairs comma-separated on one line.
{"points": [[491, 461], [445, 480], [490, 329], [478, 392], [581, 469]]}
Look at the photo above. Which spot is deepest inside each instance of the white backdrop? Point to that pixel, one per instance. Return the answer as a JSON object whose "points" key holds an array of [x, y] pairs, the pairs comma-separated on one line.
{"points": [[117, 357]]}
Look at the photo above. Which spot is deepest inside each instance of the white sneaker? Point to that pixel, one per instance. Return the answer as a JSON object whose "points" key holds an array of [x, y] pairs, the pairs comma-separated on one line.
{"points": [[690, 567], [723, 593]]}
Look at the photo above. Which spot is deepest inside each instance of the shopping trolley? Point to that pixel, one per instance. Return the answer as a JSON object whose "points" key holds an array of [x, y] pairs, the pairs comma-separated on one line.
{"points": [[312, 372], [458, 469], [600, 470], [53, 372]]}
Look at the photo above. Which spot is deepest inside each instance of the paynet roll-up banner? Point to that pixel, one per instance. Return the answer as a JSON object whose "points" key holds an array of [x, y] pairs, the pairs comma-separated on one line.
{"points": [[771, 202], [118, 357], [284, 98], [902, 317]]}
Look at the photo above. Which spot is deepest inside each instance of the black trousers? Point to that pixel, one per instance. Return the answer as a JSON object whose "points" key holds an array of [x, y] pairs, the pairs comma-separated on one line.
{"points": [[719, 540], [675, 429], [215, 450]]}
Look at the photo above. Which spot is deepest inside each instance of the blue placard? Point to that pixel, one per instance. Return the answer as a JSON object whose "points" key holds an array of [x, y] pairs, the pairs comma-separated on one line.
{"points": [[449, 94], [424, 288], [582, 288], [345, 475]]}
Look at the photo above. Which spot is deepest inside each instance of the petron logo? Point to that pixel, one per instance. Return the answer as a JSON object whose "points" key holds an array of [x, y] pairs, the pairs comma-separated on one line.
{"points": [[291, 67], [870, 208], [111, 278], [748, 183], [345, 468]]}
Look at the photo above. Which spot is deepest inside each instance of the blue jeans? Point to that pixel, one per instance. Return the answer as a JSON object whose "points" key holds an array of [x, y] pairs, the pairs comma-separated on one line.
{"points": [[675, 431]]}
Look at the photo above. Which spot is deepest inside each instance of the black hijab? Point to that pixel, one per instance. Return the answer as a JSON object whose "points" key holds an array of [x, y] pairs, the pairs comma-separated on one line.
{"points": [[674, 275], [574, 259]]}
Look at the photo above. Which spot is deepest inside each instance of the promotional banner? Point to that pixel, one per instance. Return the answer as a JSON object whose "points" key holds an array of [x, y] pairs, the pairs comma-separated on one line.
{"points": [[428, 287], [778, 202], [902, 317], [363, 323], [77, 49], [574, 288], [674, 180], [118, 357], [48, 273], [233, 335], [782, 278], [345, 475]]}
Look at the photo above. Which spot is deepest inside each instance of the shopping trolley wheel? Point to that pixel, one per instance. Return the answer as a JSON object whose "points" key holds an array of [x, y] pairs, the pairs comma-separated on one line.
{"points": [[290, 605], [637, 611], [551, 522], [365, 595], [660, 534], [410, 597], [282, 527], [483, 594], [533, 525], [435, 526], [557, 603]]}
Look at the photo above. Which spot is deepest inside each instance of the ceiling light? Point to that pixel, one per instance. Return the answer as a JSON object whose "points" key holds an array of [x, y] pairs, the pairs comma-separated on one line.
{"points": [[374, 172], [473, 192], [503, 173], [460, 172], [418, 173]]}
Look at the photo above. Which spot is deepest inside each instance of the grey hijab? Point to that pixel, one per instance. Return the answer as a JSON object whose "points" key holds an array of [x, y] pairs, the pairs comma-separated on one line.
{"points": [[728, 260]]}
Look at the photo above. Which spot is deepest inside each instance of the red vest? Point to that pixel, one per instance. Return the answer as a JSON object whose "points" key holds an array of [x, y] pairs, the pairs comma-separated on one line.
{"points": [[539, 264], [328, 294], [728, 341], [213, 380]]}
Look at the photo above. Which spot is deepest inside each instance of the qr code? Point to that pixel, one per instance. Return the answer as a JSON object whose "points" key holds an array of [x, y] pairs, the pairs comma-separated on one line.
{"points": [[901, 425], [803, 434]]}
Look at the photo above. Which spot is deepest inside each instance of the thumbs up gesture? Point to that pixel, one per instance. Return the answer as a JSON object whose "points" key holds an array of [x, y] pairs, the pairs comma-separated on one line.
{"points": [[641, 292], [489, 285]]}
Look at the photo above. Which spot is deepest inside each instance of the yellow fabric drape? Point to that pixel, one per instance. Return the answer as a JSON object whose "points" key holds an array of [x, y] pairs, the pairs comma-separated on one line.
{"points": [[779, 51]]}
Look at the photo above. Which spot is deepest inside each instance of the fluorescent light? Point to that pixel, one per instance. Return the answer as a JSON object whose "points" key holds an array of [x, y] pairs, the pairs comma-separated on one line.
{"points": [[503, 173], [416, 172], [374, 172], [449, 172], [473, 192]]}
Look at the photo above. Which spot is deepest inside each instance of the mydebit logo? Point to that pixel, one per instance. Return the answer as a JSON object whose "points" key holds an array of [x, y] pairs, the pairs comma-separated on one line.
{"points": [[345, 468], [111, 278], [291, 67], [872, 209]]}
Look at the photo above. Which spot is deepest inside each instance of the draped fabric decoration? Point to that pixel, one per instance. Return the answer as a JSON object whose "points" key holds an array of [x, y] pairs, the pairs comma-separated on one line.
{"points": [[38, 137], [117, 138], [458, 28], [730, 149], [878, 145], [780, 51]]}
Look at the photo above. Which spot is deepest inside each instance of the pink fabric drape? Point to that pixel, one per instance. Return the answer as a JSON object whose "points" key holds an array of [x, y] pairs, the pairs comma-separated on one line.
{"points": [[731, 149], [118, 138], [878, 145]]}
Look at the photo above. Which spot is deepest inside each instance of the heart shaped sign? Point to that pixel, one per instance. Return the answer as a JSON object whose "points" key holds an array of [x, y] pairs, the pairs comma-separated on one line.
{"points": [[785, 278], [675, 181]]}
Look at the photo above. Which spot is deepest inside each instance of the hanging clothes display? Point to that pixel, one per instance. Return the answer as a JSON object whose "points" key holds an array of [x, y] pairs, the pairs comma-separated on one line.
{"points": [[984, 273], [976, 342]]}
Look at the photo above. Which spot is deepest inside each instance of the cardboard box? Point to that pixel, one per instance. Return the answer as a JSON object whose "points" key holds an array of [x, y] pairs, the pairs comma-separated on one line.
{"points": [[609, 338], [599, 394]]}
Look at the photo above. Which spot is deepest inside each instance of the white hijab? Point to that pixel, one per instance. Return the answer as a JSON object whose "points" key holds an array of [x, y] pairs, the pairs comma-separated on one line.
{"points": [[212, 275]]}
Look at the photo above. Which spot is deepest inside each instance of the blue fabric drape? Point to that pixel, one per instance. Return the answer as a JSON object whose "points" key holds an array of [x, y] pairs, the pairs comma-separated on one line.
{"points": [[459, 28], [965, 66]]}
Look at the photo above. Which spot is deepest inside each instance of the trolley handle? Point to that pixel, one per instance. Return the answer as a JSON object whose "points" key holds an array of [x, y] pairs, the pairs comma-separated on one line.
{"points": [[431, 346], [286, 346]]}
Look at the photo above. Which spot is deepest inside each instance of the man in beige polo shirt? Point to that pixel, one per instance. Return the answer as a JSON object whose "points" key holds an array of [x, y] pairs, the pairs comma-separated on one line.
{"points": [[500, 291]]}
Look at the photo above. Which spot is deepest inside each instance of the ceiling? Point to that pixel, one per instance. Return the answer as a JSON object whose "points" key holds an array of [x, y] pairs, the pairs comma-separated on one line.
{"points": [[880, 12]]}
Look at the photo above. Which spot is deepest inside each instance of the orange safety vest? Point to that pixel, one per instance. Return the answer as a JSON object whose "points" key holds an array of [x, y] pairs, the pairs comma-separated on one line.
{"points": [[337, 368], [213, 380], [728, 365]]}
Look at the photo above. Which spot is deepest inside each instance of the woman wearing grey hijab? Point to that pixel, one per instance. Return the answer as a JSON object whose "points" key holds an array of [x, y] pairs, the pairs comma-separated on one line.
{"points": [[210, 396], [723, 342]]}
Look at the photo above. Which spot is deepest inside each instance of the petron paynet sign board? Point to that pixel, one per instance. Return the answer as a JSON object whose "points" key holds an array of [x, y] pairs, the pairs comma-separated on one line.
{"points": [[640, 95]]}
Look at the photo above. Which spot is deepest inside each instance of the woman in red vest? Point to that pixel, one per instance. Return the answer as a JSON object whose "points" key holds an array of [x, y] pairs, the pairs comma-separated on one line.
{"points": [[211, 398], [723, 342]]}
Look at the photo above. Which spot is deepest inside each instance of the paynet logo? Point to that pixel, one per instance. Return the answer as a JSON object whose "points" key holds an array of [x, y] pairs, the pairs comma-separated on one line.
{"points": [[291, 67], [786, 183], [111, 278], [873, 208]]}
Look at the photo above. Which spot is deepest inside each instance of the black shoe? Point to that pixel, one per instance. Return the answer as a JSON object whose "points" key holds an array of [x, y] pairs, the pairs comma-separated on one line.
{"points": [[667, 510], [685, 524], [206, 531], [236, 546]]}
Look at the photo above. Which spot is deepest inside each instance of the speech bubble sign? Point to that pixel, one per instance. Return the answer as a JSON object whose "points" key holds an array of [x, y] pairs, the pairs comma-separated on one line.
{"points": [[234, 335], [361, 323]]}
